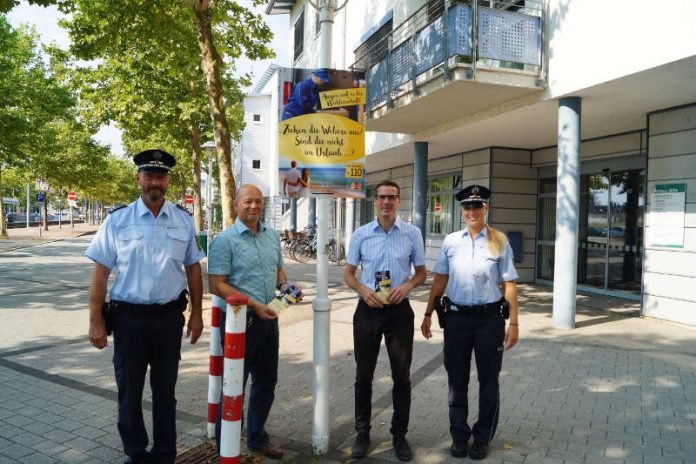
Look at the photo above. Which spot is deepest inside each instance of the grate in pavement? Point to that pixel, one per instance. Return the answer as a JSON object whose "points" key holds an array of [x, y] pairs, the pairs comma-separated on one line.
{"points": [[206, 453]]}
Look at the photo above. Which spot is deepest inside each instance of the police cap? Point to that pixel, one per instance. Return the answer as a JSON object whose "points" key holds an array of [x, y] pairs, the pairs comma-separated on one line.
{"points": [[154, 161], [473, 193]]}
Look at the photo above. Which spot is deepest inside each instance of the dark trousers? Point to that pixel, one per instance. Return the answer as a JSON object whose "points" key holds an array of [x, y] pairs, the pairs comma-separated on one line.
{"points": [[395, 323], [142, 340], [484, 336], [261, 361]]}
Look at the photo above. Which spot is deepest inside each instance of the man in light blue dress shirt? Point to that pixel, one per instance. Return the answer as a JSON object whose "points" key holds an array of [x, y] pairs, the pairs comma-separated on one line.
{"points": [[151, 244], [386, 249], [246, 258], [472, 266]]}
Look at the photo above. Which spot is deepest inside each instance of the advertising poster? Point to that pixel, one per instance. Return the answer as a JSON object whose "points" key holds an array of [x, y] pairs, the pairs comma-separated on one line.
{"points": [[321, 133]]}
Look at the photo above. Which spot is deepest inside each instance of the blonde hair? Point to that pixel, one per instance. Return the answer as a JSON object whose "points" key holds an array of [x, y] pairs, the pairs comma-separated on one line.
{"points": [[496, 241]]}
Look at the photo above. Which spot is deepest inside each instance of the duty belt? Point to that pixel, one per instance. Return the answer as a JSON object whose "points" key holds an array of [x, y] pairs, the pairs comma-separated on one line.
{"points": [[473, 309], [123, 307]]}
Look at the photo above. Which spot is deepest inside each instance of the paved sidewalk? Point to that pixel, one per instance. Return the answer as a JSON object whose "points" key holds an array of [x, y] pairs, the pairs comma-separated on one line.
{"points": [[21, 237], [618, 388]]}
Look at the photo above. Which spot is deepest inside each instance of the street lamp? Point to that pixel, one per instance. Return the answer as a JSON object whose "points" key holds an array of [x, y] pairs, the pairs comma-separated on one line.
{"points": [[209, 147]]}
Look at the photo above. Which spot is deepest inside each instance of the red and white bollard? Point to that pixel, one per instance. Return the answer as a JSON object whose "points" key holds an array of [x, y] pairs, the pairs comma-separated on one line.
{"points": [[216, 361], [233, 379]]}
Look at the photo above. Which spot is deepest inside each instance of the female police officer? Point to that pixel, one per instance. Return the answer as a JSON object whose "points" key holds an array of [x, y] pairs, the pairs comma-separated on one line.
{"points": [[472, 265]]}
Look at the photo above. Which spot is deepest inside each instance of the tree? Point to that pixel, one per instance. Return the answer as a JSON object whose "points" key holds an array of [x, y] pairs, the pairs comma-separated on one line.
{"points": [[176, 36], [30, 99]]}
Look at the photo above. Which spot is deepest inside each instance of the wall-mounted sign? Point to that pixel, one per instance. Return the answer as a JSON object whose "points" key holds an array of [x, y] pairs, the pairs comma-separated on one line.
{"points": [[667, 212]]}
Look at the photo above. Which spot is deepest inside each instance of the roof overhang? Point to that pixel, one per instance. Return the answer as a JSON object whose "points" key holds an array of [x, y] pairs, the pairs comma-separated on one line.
{"points": [[279, 6]]}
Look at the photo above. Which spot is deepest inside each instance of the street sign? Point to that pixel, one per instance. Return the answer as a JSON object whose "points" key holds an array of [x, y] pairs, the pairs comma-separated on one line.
{"points": [[189, 199], [72, 196], [39, 197]]}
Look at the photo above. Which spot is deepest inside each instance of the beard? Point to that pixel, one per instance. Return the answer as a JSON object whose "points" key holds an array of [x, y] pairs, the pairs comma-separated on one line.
{"points": [[155, 194]]}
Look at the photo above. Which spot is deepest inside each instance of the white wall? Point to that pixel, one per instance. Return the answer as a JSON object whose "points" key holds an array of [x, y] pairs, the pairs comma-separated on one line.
{"points": [[594, 41], [256, 145], [669, 276]]}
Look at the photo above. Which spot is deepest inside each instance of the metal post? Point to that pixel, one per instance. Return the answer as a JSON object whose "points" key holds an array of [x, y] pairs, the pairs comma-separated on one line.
{"points": [[420, 185], [567, 212], [321, 304], [28, 204], [216, 362], [209, 203], [233, 379]]}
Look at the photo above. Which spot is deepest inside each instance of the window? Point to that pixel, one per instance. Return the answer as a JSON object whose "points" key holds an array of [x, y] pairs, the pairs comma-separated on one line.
{"points": [[299, 36], [255, 164], [443, 211], [257, 117], [367, 208], [317, 23]]}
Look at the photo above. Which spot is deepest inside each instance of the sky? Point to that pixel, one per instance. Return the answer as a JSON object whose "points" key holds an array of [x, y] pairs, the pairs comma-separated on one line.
{"points": [[46, 22]]}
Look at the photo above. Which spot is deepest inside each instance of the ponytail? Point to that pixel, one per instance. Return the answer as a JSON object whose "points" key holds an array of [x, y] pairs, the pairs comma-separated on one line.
{"points": [[496, 241]]}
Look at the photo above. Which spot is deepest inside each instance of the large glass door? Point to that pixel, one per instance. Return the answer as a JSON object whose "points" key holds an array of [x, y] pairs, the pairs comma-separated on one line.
{"points": [[610, 230]]}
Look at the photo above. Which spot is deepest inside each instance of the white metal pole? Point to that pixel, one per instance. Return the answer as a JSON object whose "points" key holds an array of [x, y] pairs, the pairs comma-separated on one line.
{"points": [[322, 304], [28, 204], [209, 200], [350, 220]]}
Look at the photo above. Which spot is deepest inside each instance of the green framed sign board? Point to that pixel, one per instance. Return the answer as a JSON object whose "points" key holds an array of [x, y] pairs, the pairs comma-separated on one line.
{"points": [[667, 214]]}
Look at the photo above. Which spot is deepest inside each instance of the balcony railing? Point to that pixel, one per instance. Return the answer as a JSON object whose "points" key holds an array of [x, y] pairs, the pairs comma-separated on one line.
{"points": [[501, 35]]}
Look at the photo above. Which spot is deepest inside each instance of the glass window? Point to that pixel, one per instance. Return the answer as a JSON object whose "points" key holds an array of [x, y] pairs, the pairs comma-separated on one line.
{"points": [[299, 36], [256, 164], [257, 117], [443, 215], [367, 207]]}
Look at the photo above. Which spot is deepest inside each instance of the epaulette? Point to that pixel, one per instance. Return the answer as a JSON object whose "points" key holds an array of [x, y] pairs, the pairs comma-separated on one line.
{"points": [[182, 208], [117, 208]]}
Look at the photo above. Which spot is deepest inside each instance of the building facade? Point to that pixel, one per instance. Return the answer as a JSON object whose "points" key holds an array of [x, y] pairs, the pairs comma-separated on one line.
{"points": [[481, 88]]}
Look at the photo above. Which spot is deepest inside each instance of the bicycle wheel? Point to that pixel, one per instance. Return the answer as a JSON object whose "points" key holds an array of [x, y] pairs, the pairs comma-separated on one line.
{"points": [[303, 255]]}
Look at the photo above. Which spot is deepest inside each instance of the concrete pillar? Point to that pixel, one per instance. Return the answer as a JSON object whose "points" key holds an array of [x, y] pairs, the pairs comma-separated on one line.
{"points": [[350, 221], [312, 217], [567, 213], [293, 214], [420, 185]]}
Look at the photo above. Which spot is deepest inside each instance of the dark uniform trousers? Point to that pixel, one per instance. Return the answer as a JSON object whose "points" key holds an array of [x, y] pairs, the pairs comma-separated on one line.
{"points": [[395, 323], [261, 361], [140, 340], [484, 334]]}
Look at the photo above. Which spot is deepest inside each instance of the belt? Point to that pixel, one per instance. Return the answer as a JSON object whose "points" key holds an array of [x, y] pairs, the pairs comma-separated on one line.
{"points": [[387, 305], [474, 309], [123, 307]]}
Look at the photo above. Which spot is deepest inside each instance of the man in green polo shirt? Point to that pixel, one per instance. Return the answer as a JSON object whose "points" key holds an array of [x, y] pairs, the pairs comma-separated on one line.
{"points": [[246, 258]]}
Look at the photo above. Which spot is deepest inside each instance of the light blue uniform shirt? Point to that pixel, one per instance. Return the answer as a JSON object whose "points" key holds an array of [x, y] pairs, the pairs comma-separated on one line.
{"points": [[147, 252], [474, 274], [250, 261], [394, 251]]}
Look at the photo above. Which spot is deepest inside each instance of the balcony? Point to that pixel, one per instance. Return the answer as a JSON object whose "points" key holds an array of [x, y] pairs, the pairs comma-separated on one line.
{"points": [[452, 59]]}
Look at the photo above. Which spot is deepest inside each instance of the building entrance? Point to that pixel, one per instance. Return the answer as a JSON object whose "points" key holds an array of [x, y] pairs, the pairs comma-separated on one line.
{"points": [[610, 231]]}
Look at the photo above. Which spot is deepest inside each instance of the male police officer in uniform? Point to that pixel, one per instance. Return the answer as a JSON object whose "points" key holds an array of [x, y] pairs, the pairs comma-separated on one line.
{"points": [[386, 248], [472, 265], [152, 245]]}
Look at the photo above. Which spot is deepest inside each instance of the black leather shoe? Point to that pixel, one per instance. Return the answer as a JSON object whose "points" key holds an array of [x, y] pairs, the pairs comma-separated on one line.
{"points": [[478, 450], [402, 449], [458, 449], [359, 448]]}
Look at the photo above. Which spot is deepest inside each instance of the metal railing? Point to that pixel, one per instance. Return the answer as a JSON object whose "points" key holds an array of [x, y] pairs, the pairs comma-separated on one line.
{"points": [[503, 35]]}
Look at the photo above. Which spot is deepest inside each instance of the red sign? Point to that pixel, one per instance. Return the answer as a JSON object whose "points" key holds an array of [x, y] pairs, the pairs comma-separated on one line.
{"points": [[72, 196], [189, 199], [438, 207]]}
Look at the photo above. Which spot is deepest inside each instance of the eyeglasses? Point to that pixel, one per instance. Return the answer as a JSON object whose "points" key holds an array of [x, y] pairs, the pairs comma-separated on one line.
{"points": [[472, 205], [386, 197]]}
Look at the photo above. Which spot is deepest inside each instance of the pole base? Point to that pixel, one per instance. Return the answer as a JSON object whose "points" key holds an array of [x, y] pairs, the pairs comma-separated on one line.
{"points": [[320, 444], [211, 430]]}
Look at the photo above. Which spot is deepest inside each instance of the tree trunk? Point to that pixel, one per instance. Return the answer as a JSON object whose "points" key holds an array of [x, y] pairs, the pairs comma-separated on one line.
{"points": [[3, 224], [211, 63], [196, 158]]}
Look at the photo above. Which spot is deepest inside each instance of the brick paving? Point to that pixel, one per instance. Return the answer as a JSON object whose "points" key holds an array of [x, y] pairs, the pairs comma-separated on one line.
{"points": [[616, 389]]}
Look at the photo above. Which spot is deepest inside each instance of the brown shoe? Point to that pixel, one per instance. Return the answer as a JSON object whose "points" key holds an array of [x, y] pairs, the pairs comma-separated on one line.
{"points": [[270, 451]]}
